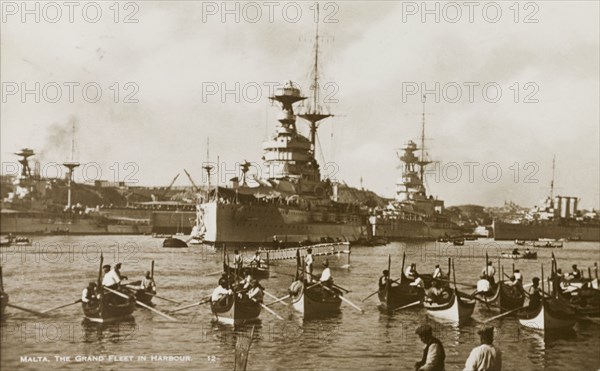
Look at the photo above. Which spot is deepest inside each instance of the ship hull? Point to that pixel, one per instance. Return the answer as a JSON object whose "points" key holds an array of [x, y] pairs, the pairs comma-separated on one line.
{"points": [[236, 224], [61, 226], [402, 230], [511, 231]]}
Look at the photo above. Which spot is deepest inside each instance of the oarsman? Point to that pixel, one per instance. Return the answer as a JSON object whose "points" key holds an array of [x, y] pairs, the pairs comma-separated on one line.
{"points": [[247, 281], [118, 271], [512, 282], [256, 260], [308, 264], [238, 262], [434, 294], [111, 278], [255, 293], [489, 272], [148, 283], [518, 276], [437, 272], [383, 280], [89, 293], [483, 285], [516, 251], [411, 271], [575, 275], [418, 282], [485, 357], [326, 277], [433, 354], [535, 294], [220, 292]]}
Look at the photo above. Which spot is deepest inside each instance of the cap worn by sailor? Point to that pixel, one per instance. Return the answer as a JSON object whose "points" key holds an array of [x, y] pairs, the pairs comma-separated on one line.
{"points": [[486, 331], [424, 330], [106, 266]]}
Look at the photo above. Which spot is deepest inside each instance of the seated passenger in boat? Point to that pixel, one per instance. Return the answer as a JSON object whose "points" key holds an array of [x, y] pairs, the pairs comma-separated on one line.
{"points": [[435, 294], [88, 295], [255, 293], [516, 252], [220, 292], [513, 281], [118, 272], [418, 282], [383, 280], [246, 282]]}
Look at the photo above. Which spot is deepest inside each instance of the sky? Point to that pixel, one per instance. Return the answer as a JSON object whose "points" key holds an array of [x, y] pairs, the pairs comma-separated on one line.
{"points": [[156, 64]]}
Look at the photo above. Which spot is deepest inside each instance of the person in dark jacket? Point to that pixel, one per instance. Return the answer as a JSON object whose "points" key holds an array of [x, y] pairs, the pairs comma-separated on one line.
{"points": [[433, 354]]}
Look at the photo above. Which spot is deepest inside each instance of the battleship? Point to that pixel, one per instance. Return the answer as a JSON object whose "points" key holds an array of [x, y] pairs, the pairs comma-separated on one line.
{"points": [[412, 214], [557, 218], [293, 204]]}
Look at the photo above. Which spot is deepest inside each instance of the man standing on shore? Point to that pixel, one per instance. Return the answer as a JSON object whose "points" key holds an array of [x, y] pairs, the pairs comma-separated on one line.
{"points": [[433, 353], [485, 357]]}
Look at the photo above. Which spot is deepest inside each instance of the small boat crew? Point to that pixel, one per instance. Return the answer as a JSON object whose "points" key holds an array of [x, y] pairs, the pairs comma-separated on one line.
{"points": [[308, 264], [486, 356], [220, 292], [489, 272], [410, 272], [256, 260], [89, 294], [255, 291], [436, 294], [437, 272], [545, 312], [231, 307], [326, 278], [383, 280]]}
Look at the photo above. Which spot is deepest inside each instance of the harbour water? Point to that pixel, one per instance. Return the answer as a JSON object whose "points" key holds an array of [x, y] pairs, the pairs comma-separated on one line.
{"points": [[54, 270]]}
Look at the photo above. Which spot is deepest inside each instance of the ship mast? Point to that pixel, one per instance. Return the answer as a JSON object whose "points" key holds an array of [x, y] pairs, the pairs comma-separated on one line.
{"points": [[423, 162], [552, 182], [71, 165], [314, 115], [208, 169]]}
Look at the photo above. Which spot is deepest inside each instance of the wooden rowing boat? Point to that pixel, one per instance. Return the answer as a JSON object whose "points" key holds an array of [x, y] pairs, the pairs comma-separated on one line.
{"points": [[257, 272], [455, 309], [110, 308], [312, 301], [233, 310], [503, 297], [549, 244], [531, 255], [399, 296], [552, 314]]}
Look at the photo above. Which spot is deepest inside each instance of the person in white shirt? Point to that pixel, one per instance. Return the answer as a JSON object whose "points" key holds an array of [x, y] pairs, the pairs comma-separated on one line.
{"points": [[89, 293], [437, 273], [148, 283], [410, 271], [219, 293], [326, 274], [256, 260], [246, 282], [238, 262], [483, 285], [418, 282], [518, 275], [489, 271], [255, 293], [111, 278], [485, 357], [308, 264]]}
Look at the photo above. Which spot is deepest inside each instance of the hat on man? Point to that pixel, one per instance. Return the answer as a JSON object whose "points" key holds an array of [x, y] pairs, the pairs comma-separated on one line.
{"points": [[424, 330]]}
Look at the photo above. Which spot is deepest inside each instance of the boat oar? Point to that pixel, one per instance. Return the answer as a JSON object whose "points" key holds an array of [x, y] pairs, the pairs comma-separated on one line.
{"points": [[204, 301], [269, 310], [26, 310], [142, 304], [376, 292], [274, 297], [278, 300], [503, 314], [62, 306], [343, 298], [213, 273], [152, 294], [460, 283], [407, 306]]}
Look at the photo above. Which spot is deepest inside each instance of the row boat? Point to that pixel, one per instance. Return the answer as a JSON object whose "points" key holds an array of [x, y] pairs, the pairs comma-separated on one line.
{"points": [[256, 272], [503, 297], [314, 300], [551, 315], [455, 309], [530, 255], [109, 308], [234, 310]]}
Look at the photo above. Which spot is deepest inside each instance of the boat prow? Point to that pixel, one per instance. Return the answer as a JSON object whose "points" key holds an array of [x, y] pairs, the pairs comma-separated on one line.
{"points": [[235, 310], [548, 317], [314, 301], [457, 309]]}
